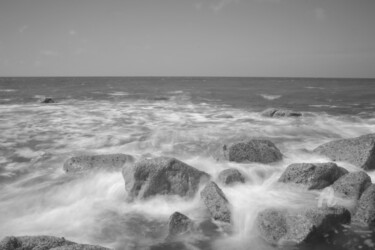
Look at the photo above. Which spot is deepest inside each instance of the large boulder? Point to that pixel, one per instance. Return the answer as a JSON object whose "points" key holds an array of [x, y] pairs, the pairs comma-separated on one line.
{"points": [[352, 185], [47, 100], [162, 176], [43, 243], [272, 112], [230, 176], [83, 163], [255, 150], [281, 226], [366, 207], [179, 224], [312, 175], [359, 151], [216, 202]]}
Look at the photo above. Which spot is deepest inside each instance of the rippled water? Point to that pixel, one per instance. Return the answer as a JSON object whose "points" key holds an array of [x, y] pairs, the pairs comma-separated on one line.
{"points": [[189, 119]]}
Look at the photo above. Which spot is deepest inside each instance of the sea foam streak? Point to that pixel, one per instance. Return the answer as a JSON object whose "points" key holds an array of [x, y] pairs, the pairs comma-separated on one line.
{"points": [[270, 97], [39, 198]]}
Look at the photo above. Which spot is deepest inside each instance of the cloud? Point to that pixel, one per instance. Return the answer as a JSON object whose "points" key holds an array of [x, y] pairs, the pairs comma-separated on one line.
{"points": [[50, 53], [320, 14], [23, 28], [214, 5], [72, 32]]}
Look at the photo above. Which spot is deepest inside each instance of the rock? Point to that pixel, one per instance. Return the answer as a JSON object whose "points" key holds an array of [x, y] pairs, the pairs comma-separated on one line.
{"points": [[231, 176], [352, 185], [43, 243], [359, 151], [47, 100], [224, 116], [179, 224], [216, 202], [89, 162], [272, 112], [312, 175], [162, 176], [366, 207], [262, 151], [280, 226]]}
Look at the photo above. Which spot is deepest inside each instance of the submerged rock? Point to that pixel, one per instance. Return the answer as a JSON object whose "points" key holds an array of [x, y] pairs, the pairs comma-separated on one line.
{"points": [[162, 176], [43, 243], [231, 176], [351, 185], [359, 151], [89, 162], [179, 224], [262, 151], [272, 112], [312, 175], [216, 202], [47, 100], [280, 226], [366, 207]]}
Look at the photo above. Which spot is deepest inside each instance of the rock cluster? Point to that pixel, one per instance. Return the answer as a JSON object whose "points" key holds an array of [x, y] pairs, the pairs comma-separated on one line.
{"points": [[43, 243], [273, 112]]}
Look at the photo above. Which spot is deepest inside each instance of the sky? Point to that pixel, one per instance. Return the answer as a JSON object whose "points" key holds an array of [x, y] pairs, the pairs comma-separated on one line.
{"points": [[255, 38]]}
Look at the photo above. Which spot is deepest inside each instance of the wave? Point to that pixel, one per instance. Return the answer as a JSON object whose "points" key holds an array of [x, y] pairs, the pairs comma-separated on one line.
{"points": [[270, 97]]}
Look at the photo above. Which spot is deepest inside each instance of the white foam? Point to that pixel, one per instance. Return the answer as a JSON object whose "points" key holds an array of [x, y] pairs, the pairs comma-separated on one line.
{"points": [[270, 97]]}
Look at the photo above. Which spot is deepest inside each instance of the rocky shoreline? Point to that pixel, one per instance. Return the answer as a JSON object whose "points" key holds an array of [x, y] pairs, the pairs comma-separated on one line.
{"points": [[150, 176]]}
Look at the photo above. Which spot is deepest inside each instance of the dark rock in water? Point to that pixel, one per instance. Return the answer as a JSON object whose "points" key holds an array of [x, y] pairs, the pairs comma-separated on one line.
{"points": [[359, 151], [366, 207], [47, 100], [231, 176], [162, 176], [224, 116], [352, 185], [272, 112], [262, 151], [216, 202], [43, 243], [179, 224], [280, 226], [160, 98], [312, 175], [90, 162]]}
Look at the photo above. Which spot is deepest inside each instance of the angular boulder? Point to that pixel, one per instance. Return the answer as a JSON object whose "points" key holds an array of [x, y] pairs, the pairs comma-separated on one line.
{"points": [[351, 185], [312, 175], [359, 151], [255, 150], [83, 163], [162, 176], [366, 207], [281, 226], [216, 202], [272, 112], [43, 243], [231, 176], [179, 224]]}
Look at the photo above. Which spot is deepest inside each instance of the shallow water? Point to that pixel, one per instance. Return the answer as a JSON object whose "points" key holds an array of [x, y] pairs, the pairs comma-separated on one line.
{"points": [[189, 119]]}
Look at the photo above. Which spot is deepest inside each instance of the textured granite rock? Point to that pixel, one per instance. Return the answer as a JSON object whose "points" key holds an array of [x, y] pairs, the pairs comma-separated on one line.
{"points": [[365, 212], [231, 176], [351, 185], [359, 151]]}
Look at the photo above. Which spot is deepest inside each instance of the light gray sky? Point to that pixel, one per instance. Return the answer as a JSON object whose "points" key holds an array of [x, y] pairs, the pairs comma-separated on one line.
{"points": [[304, 38]]}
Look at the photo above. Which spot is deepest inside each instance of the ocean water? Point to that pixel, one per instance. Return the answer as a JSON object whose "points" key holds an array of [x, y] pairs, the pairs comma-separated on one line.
{"points": [[187, 118]]}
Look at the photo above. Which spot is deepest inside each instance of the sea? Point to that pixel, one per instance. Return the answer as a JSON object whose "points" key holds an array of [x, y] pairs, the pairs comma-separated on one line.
{"points": [[189, 118]]}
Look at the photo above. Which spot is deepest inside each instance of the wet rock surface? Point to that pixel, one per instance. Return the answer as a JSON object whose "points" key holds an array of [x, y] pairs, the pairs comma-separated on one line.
{"points": [[255, 150], [179, 224], [216, 202], [352, 185], [312, 175], [162, 176], [47, 100], [365, 212], [43, 243], [231, 176], [359, 151], [84, 163], [280, 226], [273, 112]]}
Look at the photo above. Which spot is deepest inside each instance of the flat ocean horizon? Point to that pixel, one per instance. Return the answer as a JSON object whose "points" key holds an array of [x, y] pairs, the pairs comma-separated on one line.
{"points": [[189, 118]]}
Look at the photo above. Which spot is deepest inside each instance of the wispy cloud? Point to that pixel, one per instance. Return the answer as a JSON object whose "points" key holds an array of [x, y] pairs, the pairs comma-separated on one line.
{"points": [[72, 32], [214, 5], [23, 28], [320, 14], [49, 53]]}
